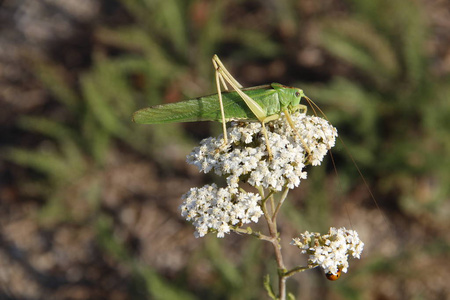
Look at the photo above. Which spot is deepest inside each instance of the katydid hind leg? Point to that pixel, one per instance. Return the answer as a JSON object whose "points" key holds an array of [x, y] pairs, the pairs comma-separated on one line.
{"points": [[256, 109], [218, 65], [219, 94], [224, 75]]}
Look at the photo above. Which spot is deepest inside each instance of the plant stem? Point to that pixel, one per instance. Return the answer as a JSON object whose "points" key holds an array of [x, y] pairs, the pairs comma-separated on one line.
{"points": [[271, 223], [280, 202], [297, 270]]}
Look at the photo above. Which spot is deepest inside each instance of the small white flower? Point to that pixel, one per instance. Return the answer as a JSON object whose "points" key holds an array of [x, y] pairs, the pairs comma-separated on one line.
{"points": [[211, 208], [330, 251]]}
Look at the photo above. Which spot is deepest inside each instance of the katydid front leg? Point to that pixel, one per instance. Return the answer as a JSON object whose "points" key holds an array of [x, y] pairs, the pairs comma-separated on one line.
{"points": [[291, 123]]}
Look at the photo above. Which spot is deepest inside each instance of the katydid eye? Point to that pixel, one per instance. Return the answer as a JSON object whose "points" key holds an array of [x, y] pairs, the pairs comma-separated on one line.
{"points": [[297, 94]]}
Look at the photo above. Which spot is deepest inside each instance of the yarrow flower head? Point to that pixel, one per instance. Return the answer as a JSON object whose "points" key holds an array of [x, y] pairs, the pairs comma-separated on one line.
{"points": [[218, 209], [332, 250], [247, 160]]}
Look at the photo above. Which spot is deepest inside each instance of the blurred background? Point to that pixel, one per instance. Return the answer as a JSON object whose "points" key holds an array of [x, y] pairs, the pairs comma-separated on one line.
{"points": [[89, 201]]}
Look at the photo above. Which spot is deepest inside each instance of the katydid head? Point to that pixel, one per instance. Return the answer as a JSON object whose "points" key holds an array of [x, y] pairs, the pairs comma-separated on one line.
{"points": [[289, 97]]}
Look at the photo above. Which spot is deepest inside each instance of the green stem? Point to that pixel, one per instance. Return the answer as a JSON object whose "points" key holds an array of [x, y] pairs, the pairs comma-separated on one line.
{"points": [[283, 197], [297, 270], [256, 234]]}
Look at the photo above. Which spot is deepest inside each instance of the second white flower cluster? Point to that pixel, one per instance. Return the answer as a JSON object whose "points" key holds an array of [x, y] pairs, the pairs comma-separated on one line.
{"points": [[332, 250]]}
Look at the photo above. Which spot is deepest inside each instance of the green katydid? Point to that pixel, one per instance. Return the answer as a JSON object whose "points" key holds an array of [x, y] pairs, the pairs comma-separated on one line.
{"points": [[263, 103], [260, 103]]}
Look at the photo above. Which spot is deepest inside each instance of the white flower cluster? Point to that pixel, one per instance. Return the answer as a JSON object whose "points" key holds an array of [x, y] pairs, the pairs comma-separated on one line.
{"points": [[330, 251], [246, 159], [216, 209]]}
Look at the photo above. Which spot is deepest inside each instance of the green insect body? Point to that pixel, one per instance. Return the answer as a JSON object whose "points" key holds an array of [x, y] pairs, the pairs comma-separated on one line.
{"points": [[273, 99]]}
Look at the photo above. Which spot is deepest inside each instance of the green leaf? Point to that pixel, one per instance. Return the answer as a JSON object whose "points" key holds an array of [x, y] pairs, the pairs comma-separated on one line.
{"points": [[268, 287]]}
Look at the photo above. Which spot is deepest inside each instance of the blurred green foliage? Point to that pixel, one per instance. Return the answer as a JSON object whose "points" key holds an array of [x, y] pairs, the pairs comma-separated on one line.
{"points": [[392, 112]]}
